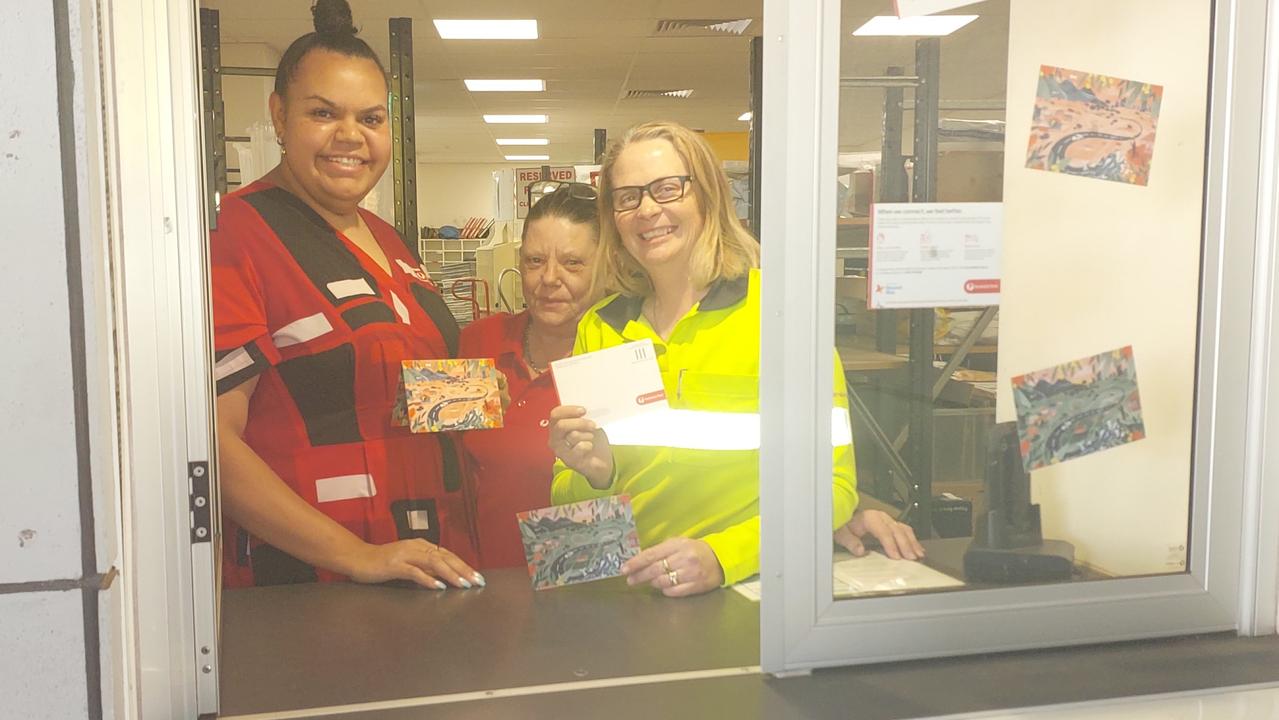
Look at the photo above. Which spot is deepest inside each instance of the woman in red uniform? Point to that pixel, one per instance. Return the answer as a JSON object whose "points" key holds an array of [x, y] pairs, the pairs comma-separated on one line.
{"points": [[509, 469], [315, 304]]}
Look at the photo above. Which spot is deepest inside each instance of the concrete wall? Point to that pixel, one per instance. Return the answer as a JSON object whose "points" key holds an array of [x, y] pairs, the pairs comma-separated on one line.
{"points": [[49, 609]]}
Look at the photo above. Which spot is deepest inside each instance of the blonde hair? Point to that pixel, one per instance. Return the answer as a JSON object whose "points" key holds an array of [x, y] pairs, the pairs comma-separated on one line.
{"points": [[724, 249]]}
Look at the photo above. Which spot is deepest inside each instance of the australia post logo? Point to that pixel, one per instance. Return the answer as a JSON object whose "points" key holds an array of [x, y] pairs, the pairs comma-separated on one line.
{"points": [[978, 287], [418, 273]]}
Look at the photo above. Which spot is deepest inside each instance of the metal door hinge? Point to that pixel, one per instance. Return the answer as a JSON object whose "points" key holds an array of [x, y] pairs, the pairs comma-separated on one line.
{"points": [[201, 504]]}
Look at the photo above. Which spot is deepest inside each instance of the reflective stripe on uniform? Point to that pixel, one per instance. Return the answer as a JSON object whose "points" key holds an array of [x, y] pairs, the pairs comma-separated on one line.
{"points": [[707, 430]]}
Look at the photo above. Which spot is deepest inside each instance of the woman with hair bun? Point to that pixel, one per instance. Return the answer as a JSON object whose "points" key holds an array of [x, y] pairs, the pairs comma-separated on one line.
{"points": [[316, 302]]}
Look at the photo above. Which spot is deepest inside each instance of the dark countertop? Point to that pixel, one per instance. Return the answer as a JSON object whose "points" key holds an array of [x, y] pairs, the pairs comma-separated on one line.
{"points": [[313, 645], [321, 645]]}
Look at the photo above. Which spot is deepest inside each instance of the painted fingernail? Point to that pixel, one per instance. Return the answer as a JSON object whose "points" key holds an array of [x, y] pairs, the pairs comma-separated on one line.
{"points": [[439, 585], [479, 580], [464, 583]]}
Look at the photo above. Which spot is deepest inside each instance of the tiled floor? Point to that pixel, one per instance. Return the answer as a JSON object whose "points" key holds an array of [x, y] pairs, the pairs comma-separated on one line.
{"points": [[1244, 703]]}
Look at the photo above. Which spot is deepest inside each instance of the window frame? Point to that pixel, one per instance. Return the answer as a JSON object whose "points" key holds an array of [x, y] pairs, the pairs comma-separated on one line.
{"points": [[1230, 583]]}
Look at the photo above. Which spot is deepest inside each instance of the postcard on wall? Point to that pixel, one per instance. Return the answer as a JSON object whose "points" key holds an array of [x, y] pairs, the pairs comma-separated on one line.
{"points": [[934, 255], [452, 394], [1093, 125], [1078, 408], [613, 384], [568, 544]]}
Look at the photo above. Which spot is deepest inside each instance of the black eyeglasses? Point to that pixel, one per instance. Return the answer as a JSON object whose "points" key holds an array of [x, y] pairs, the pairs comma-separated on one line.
{"points": [[575, 190], [662, 190]]}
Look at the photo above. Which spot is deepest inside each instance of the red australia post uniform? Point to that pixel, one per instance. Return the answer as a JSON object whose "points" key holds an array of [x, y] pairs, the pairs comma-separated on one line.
{"points": [[508, 469], [324, 330]]}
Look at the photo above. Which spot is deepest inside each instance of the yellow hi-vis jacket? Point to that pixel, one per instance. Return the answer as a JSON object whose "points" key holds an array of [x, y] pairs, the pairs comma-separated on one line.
{"points": [[709, 364]]}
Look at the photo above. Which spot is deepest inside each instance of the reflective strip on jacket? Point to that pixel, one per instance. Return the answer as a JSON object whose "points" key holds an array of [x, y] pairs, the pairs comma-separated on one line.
{"points": [[710, 365]]}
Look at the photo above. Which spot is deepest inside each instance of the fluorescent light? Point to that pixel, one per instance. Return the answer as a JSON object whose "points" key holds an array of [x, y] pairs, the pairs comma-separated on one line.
{"points": [[528, 157], [487, 29], [523, 141], [505, 85], [514, 119], [746, 116], [921, 25]]}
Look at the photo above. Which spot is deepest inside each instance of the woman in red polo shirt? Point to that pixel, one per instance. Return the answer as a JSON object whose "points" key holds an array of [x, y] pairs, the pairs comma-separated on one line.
{"points": [[509, 469], [315, 304]]}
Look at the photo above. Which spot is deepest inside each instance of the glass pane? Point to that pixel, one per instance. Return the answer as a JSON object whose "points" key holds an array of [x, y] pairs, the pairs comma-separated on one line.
{"points": [[1020, 394]]}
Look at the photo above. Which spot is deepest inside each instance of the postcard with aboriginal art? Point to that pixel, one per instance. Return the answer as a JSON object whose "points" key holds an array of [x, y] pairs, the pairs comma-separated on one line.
{"points": [[1078, 408], [454, 394], [1093, 125], [585, 541]]}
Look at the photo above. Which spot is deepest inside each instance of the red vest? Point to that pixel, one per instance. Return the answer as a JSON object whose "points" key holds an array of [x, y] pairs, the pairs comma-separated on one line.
{"points": [[325, 328]]}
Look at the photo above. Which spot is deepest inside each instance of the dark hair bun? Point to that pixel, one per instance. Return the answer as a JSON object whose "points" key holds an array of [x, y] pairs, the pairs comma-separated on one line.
{"points": [[333, 16]]}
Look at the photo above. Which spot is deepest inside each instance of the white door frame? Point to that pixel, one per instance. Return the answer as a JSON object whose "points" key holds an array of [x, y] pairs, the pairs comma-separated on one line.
{"points": [[153, 173], [155, 158], [1231, 579]]}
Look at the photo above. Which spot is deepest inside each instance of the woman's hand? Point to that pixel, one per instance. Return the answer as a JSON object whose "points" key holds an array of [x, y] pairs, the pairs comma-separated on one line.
{"points": [[425, 563], [678, 567], [897, 539], [578, 441]]}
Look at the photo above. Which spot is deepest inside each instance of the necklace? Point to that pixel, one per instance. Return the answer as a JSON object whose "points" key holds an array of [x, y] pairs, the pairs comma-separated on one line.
{"points": [[528, 355]]}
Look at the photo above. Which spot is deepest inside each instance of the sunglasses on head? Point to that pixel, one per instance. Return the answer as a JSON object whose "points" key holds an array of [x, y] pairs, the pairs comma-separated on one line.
{"points": [[575, 190]]}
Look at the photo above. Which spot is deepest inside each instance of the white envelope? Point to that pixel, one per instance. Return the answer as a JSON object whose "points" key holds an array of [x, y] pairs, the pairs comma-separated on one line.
{"points": [[612, 384]]}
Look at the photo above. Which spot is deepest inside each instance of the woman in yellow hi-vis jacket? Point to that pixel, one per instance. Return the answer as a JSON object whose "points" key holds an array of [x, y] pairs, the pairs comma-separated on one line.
{"points": [[686, 271]]}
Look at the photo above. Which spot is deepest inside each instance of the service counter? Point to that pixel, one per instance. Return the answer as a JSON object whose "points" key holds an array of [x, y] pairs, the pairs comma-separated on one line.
{"points": [[290, 647]]}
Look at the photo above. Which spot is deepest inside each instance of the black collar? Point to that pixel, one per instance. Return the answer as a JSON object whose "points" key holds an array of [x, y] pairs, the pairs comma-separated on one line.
{"points": [[723, 293]]}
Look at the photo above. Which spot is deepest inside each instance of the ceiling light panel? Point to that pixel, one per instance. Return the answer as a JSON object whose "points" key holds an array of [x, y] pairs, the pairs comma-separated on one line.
{"points": [[523, 141], [514, 119], [918, 26], [487, 29], [505, 85]]}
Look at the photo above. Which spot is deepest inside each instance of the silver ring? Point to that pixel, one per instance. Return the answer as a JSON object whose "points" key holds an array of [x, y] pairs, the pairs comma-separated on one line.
{"points": [[673, 576], [666, 567]]}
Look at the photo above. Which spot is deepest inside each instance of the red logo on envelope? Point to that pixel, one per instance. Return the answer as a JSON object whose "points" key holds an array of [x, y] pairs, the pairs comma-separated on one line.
{"points": [[652, 397], [974, 287]]}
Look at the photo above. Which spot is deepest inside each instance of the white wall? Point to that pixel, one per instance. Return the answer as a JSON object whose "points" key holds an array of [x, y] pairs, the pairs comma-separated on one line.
{"points": [[43, 650], [1091, 265], [450, 193]]}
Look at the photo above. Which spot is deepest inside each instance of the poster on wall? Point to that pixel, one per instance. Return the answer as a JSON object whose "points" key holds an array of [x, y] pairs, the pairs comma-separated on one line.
{"points": [[934, 255], [1078, 408], [1093, 125], [527, 176]]}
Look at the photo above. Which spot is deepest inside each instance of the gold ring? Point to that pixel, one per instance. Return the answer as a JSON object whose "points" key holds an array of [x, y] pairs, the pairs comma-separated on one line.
{"points": [[673, 576], [666, 567]]}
